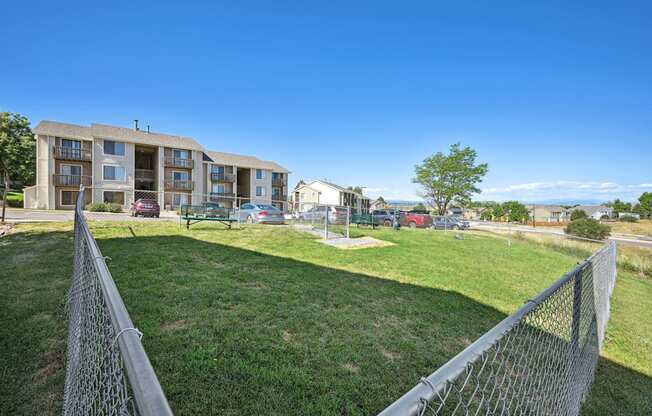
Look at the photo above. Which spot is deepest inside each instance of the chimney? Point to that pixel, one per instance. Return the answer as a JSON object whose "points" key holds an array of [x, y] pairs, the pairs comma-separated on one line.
{"points": [[148, 128], [136, 125]]}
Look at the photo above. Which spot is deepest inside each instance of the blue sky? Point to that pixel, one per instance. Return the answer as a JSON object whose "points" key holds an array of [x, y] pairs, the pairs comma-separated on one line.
{"points": [[556, 97]]}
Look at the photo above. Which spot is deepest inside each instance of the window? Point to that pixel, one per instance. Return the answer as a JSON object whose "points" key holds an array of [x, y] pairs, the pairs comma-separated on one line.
{"points": [[181, 154], [180, 175], [276, 175], [114, 148], [247, 206], [113, 173], [72, 144], [114, 197], [217, 169], [69, 197], [72, 170], [260, 191], [218, 188], [260, 174]]}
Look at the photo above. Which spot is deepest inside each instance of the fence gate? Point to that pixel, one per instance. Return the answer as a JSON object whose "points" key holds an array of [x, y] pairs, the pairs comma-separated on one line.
{"points": [[538, 361]]}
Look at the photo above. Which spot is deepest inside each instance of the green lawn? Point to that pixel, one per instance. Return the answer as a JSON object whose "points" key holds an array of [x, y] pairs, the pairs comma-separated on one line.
{"points": [[266, 320]]}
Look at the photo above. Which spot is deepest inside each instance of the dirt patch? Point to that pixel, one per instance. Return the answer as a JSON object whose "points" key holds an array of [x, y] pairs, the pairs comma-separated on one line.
{"points": [[173, 326], [390, 355], [54, 361], [351, 368], [286, 336]]}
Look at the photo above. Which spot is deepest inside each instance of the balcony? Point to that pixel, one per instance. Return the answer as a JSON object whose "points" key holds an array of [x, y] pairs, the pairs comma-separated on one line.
{"points": [[280, 182], [222, 177], [72, 153], [279, 197], [145, 175], [175, 162], [173, 185], [71, 180]]}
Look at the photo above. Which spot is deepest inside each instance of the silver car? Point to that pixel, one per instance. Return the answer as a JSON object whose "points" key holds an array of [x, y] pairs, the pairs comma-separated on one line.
{"points": [[261, 214], [336, 215]]}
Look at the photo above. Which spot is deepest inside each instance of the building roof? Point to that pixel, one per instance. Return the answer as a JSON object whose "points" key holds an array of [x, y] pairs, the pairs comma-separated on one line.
{"points": [[338, 187], [591, 209], [245, 161], [55, 128]]}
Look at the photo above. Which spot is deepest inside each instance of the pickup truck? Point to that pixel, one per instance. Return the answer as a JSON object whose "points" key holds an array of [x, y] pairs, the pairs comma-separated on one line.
{"points": [[414, 220]]}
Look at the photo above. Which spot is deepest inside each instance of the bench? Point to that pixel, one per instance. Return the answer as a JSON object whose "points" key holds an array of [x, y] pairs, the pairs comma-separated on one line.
{"points": [[193, 214], [364, 219]]}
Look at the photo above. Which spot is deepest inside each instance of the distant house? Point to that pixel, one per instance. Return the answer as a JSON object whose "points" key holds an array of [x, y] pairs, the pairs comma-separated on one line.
{"points": [[548, 213], [455, 211], [318, 192], [629, 214], [594, 211], [377, 204]]}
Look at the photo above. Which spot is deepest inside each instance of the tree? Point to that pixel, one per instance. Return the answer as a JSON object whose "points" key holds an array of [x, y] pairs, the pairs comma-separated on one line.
{"points": [[588, 228], [619, 206], [578, 214], [356, 189], [515, 211], [645, 201], [419, 207], [17, 153], [452, 177]]}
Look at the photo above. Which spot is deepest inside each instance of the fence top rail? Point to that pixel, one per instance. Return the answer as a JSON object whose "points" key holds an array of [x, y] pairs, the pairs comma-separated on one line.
{"points": [[148, 394], [429, 387]]}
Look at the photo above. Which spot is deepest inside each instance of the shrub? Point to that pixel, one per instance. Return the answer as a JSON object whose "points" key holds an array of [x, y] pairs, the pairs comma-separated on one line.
{"points": [[97, 207], [588, 228], [625, 218], [114, 208], [578, 214]]}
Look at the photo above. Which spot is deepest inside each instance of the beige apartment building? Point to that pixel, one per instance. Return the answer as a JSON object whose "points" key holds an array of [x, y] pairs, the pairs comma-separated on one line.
{"points": [[120, 165]]}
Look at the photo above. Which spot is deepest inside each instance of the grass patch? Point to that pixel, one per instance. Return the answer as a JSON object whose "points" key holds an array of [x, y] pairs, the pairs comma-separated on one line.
{"points": [[641, 227], [266, 320]]}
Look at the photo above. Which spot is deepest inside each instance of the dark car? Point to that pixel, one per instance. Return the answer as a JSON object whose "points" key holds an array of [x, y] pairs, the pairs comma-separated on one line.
{"points": [[212, 209], [383, 217], [449, 223], [145, 208]]}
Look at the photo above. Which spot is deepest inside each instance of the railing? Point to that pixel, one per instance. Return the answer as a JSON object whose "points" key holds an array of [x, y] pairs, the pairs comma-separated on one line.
{"points": [[280, 182], [222, 177], [539, 361], [107, 369], [175, 162], [179, 185], [145, 174], [71, 180], [72, 153]]}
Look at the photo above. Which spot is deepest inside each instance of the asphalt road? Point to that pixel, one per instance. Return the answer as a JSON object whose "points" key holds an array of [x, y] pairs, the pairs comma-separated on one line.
{"points": [[34, 215], [632, 240]]}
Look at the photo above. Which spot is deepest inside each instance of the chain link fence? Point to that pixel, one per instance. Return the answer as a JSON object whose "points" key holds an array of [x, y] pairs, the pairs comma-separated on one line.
{"points": [[328, 221], [107, 370], [538, 361]]}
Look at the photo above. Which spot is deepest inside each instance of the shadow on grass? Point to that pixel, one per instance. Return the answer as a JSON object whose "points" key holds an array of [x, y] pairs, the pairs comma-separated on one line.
{"points": [[234, 331]]}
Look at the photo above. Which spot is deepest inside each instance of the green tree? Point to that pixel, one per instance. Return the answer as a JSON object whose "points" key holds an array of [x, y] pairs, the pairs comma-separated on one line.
{"points": [[645, 201], [619, 206], [578, 214], [515, 211], [17, 153], [452, 177], [420, 207], [588, 228]]}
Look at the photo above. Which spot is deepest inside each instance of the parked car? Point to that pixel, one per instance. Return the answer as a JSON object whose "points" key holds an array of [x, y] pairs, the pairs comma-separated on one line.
{"points": [[383, 217], [213, 209], [414, 220], [145, 208], [261, 214], [336, 215], [450, 223]]}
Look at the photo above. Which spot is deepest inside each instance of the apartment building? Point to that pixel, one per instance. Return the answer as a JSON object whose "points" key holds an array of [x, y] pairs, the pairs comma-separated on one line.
{"points": [[307, 195], [232, 180], [120, 165]]}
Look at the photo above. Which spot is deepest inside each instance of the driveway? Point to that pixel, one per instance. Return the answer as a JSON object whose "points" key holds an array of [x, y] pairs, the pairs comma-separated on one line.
{"points": [[15, 215], [640, 241]]}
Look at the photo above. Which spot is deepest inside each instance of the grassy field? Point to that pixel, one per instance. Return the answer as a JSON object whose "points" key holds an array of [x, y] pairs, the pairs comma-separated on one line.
{"points": [[641, 227], [266, 320]]}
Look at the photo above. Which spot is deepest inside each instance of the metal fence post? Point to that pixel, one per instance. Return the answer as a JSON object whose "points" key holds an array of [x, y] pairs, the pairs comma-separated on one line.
{"points": [[348, 223]]}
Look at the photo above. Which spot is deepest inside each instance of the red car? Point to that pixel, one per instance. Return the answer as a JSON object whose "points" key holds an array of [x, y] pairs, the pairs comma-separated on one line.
{"points": [[145, 208], [414, 220]]}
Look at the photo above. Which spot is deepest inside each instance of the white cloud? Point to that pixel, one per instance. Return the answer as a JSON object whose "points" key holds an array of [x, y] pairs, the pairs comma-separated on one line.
{"points": [[571, 190]]}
